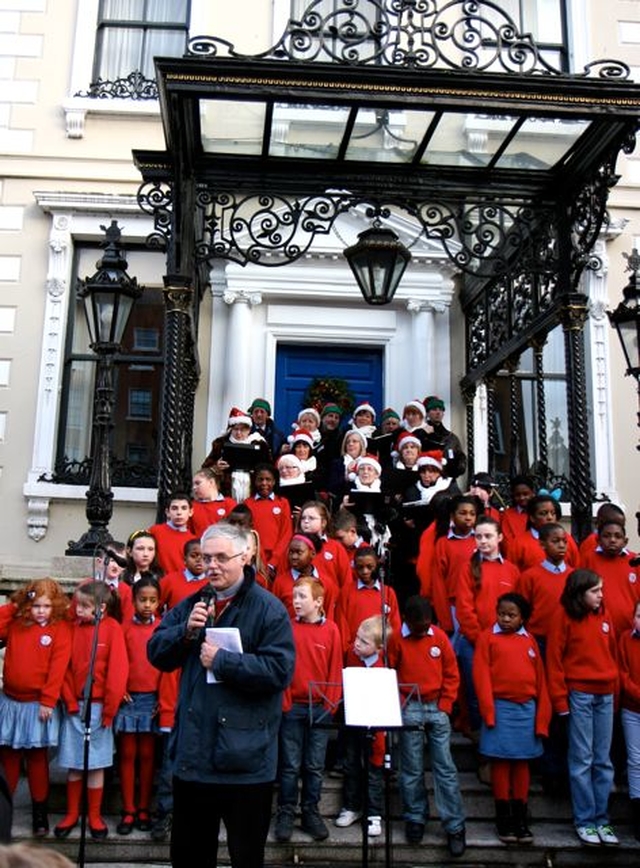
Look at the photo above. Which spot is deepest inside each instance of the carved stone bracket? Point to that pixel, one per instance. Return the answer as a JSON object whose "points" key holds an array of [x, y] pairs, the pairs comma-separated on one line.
{"points": [[37, 518]]}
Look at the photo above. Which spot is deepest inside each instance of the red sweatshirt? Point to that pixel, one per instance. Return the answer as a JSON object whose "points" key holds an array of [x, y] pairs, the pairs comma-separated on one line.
{"points": [[208, 512], [620, 585], [513, 522], [170, 546], [629, 659], [175, 587], [357, 603], [283, 586], [167, 698], [111, 667], [542, 589], [424, 562], [525, 551], [581, 655], [143, 677], [476, 607], [36, 658], [428, 663], [509, 666], [319, 660], [333, 561], [272, 520], [449, 554]]}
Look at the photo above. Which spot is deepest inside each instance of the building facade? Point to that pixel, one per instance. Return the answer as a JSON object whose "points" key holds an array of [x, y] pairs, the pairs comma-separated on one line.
{"points": [[67, 142]]}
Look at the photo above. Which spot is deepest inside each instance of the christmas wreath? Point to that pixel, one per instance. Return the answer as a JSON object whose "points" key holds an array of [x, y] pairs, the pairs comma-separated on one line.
{"points": [[329, 390]]}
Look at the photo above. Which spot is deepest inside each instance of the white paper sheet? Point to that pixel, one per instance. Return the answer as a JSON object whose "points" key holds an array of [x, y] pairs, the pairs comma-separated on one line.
{"points": [[225, 637], [371, 697]]}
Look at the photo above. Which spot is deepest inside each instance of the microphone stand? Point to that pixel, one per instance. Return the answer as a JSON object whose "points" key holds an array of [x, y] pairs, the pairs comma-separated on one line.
{"points": [[387, 734], [86, 696]]}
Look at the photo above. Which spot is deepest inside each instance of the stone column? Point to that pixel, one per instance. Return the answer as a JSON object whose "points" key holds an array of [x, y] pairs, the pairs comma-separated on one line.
{"points": [[423, 332], [236, 377]]}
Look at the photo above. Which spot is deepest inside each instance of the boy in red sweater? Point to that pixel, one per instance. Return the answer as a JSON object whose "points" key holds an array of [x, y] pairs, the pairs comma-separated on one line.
{"points": [[525, 551], [171, 536], [621, 582], [271, 515], [363, 598], [303, 745], [179, 584], [428, 678]]}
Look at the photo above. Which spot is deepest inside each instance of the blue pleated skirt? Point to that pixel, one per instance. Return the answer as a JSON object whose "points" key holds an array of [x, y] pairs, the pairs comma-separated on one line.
{"points": [[21, 728], [514, 735], [137, 715], [72, 740]]}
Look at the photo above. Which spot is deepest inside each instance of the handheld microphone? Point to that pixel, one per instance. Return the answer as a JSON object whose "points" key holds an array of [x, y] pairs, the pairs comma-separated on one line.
{"points": [[208, 597], [110, 555]]}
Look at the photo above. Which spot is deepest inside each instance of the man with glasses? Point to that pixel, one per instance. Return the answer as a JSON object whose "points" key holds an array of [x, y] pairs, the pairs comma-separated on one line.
{"points": [[226, 733]]}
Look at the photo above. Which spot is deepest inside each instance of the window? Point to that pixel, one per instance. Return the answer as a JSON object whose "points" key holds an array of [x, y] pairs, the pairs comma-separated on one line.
{"points": [[132, 32], [545, 20], [137, 385]]}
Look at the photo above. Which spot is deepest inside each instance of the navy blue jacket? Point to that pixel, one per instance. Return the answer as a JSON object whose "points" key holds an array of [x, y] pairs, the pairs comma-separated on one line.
{"points": [[227, 733]]}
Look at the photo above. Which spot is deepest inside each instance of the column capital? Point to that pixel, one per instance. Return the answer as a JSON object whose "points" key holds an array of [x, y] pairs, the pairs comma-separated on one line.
{"points": [[420, 305], [231, 296]]}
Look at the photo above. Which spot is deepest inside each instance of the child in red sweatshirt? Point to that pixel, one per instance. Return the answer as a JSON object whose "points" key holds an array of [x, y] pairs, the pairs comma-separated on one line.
{"points": [[509, 679], [171, 535], [583, 678], [93, 602], [312, 698], [629, 655], [428, 679], [135, 721]]}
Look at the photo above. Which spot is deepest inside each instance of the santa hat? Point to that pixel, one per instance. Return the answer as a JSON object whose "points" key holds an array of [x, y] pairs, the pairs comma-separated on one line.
{"points": [[431, 459], [238, 417], [290, 459], [300, 436], [405, 438], [416, 405], [369, 461], [364, 408], [311, 410], [260, 404]]}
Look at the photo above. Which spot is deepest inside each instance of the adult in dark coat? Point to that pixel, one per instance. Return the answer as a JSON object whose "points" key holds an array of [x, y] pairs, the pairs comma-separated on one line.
{"points": [[261, 421], [225, 739]]}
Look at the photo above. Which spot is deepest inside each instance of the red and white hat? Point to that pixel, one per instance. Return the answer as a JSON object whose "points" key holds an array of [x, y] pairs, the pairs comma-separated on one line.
{"points": [[430, 459], [364, 408], [238, 417], [369, 461], [300, 435], [415, 405], [405, 438], [312, 411]]}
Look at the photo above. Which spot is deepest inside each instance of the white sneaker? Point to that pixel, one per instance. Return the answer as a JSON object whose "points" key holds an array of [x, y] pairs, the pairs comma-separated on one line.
{"points": [[607, 835], [348, 818], [588, 835], [374, 827]]}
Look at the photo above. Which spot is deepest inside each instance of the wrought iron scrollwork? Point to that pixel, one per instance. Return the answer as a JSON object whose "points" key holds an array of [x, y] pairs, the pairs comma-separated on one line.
{"points": [[470, 35], [134, 86], [123, 473], [156, 198]]}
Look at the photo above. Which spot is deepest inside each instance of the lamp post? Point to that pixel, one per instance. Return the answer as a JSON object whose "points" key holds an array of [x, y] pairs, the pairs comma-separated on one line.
{"points": [[626, 320], [108, 299], [378, 260]]}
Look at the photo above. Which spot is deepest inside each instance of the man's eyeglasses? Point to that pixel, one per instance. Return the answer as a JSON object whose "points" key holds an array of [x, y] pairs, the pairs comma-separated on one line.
{"points": [[222, 560]]}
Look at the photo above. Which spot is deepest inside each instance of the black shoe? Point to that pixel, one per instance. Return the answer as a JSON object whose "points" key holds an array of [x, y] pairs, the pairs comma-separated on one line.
{"points": [[61, 831], [313, 824], [413, 832], [40, 819], [457, 842], [162, 827], [126, 824], [99, 832], [143, 821], [284, 824]]}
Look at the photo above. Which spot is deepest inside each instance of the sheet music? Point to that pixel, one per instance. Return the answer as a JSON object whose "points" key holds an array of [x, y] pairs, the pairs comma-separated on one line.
{"points": [[228, 638], [371, 697]]}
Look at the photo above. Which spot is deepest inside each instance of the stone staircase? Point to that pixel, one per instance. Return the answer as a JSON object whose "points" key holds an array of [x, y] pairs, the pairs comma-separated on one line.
{"points": [[555, 843]]}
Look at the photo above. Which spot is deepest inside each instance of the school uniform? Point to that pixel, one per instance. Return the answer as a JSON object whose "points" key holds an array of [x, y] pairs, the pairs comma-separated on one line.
{"points": [[525, 551], [450, 551], [177, 585], [285, 581], [272, 521], [208, 512], [542, 586], [358, 601], [170, 543], [620, 584], [513, 522]]}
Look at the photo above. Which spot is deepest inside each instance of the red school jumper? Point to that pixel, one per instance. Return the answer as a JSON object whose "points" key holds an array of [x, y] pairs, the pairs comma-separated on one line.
{"points": [[525, 551], [357, 602], [318, 659], [170, 545], [272, 520], [428, 663], [450, 552], [285, 582], [620, 585], [542, 587], [176, 586], [208, 512], [476, 607]]}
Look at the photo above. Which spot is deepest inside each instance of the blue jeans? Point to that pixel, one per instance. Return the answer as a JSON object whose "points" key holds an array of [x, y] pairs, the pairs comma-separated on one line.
{"points": [[589, 761], [631, 728], [302, 755], [464, 651], [435, 727]]}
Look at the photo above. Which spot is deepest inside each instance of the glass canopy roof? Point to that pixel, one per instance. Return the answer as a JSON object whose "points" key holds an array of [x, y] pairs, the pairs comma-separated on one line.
{"points": [[378, 135]]}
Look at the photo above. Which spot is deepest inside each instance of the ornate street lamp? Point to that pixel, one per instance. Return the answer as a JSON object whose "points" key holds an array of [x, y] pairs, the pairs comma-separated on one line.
{"points": [[626, 317], [378, 260], [108, 299]]}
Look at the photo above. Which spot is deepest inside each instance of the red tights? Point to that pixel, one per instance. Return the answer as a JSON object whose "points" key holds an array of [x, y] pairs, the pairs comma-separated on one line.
{"points": [[37, 763], [510, 779], [140, 746]]}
